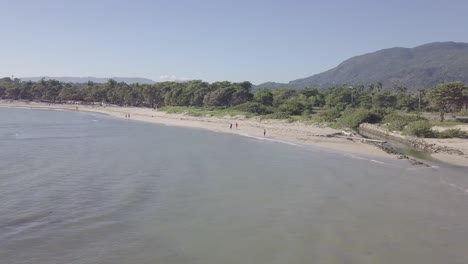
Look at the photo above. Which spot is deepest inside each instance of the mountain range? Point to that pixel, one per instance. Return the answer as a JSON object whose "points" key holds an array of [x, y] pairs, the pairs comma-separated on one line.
{"points": [[420, 67]]}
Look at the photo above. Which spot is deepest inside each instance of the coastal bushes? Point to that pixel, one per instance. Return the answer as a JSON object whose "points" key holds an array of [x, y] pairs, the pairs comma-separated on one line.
{"points": [[254, 108], [463, 112], [397, 122], [420, 128], [330, 114], [451, 133], [278, 115], [352, 117]]}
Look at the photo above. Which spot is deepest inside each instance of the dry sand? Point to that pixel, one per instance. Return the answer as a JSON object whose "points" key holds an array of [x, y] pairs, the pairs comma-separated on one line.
{"points": [[299, 133], [453, 143]]}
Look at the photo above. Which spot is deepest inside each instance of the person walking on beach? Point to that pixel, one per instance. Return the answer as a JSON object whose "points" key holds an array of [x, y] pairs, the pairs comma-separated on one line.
{"points": [[230, 125], [264, 132], [237, 125]]}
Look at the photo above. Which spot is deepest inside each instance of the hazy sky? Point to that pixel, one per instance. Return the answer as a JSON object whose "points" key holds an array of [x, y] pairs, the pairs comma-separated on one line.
{"points": [[214, 39]]}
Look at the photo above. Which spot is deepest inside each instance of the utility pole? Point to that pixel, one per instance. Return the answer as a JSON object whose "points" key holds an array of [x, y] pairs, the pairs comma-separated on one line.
{"points": [[352, 101], [419, 100]]}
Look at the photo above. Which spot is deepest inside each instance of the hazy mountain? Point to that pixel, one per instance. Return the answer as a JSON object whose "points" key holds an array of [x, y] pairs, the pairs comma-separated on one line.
{"points": [[128, 80], [420, 67]]}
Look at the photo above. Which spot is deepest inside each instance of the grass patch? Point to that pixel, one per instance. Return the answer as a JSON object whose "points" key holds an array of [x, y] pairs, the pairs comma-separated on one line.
{"points": [[447, 123], [451, 133], [397, 122], [204, 111], [421, 128], [330, 114], [462, 113], [352, 118]]}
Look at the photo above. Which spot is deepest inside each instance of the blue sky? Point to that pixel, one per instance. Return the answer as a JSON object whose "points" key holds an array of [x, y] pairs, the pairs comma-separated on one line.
{"points": [[213, 40]]}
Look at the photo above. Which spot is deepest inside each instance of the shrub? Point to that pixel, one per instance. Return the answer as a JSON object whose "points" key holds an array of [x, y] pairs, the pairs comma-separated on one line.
{"points": [[307, 112], [354, 117], [451, 133], [264, 97], [396, 122], [172, 109], [462, 113], [278, 115], [294, 106], [421, 128], [253, 107], [330, 114]]}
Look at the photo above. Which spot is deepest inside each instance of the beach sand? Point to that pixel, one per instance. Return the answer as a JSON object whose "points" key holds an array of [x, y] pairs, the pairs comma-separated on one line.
{"points": [[313, 135], [275, 129], [453, 143]]}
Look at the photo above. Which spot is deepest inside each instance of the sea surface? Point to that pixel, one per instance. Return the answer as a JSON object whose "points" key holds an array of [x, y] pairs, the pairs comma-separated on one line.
{"points": [[84, 188]]}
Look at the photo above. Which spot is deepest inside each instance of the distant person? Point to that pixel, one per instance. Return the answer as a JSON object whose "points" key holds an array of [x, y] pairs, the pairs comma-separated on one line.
{"points": [[237, 125], [264, 132], [230, 125], [128, 115]]}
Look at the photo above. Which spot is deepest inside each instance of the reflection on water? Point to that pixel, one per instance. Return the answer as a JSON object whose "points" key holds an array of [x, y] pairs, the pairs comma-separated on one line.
{"points": [[77, 188]]}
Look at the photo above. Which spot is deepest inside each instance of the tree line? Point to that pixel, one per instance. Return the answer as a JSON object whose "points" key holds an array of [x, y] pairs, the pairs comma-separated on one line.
{"points": [[282, 102]]}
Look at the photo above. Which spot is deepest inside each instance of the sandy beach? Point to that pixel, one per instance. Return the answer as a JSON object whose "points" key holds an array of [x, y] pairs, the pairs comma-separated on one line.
{"points": [[313, 135]]}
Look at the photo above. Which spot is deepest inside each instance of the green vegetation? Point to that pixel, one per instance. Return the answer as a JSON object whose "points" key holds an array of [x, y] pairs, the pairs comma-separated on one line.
{"points": [[421, 128], [254, 108], [347, 106], [204, 111], [451, 133], [397, 122], [446, 96], [353, 117]]}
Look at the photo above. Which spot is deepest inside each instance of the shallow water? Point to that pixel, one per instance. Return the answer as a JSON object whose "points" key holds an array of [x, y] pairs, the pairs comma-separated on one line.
{"points": [[83, 188], [400, 147]]}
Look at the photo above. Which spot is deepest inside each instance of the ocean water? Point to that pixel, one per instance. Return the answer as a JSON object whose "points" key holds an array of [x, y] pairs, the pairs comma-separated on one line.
{"points": [[84, 188]]}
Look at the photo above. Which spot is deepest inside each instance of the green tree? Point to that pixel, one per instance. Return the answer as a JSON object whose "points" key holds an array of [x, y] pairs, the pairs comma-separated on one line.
{"points": [[219, 97], [383, 99], [263, 96], [281, 95], [444, 96], [12, 93], [310, 92], [338, 97]]}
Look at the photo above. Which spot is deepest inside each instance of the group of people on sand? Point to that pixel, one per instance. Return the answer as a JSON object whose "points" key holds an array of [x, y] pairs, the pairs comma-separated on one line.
{"points": [[237, 125], [127, 115], [230, 125]]}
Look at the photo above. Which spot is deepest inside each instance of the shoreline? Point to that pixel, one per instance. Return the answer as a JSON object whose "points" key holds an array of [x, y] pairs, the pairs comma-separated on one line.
{"points": [[277, 130]]}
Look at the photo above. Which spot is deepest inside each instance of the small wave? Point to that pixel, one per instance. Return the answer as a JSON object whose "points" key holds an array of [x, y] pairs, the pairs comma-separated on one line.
{"points": [[50, 137], [425, 167], [370, 160], [270, 139], [453, 185]]}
